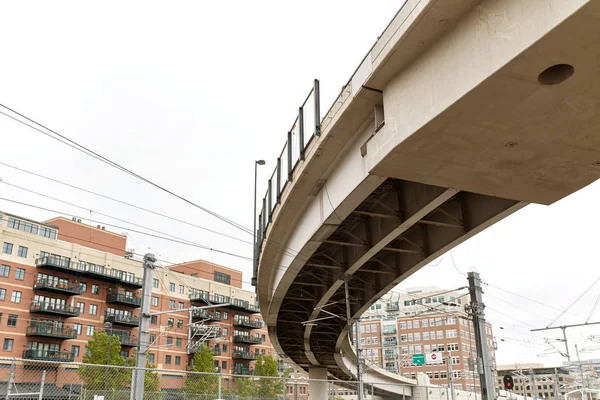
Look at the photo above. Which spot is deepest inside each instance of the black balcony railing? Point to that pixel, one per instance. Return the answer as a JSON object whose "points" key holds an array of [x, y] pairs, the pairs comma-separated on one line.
{"points": [[389, 343], [99, 272], [124, 320], [50, 330], [243, 305], [242, 371], [54, 309], [70, 289], [123, 299], [48, 355], [204, 297], [244, 355], [204, 314], [391, 307], [246, 339], [389, 331], [244, 323], [125, 337]]}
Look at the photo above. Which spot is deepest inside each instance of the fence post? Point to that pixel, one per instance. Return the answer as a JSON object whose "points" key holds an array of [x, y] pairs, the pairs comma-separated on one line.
{"points": [[220, 387], [42, 385], [284, 388], [11, 377]]}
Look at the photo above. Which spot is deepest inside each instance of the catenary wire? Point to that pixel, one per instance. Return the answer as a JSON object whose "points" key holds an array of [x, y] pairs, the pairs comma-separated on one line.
{"points": [[101, 158]]}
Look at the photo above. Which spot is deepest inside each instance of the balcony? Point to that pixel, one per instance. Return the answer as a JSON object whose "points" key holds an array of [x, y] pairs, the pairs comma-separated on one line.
{"points": [[123, 320], [126, 339], [54, 309], [243, 323], [244, 355], [124, 300], [49, 330], [391, 307], [69, 289], [246, 339], [99, 272], [204, 297], [206, 331], [206, 315], [245, 370], [46, 355], [217, 351], [389, 343], [243, 306], [390, 356], [389, 331]]}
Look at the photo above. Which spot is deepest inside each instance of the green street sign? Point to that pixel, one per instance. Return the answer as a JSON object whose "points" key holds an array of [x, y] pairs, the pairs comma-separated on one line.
{"points": [[419, 359]]}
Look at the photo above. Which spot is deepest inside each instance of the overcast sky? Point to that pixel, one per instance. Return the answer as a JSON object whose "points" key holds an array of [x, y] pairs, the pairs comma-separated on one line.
{"points": [[190, 93]]}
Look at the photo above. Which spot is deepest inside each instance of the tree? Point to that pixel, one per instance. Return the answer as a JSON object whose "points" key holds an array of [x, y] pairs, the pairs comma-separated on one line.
{"points": [[201, 381], [268, 388], [96, 378], [151, 380]]}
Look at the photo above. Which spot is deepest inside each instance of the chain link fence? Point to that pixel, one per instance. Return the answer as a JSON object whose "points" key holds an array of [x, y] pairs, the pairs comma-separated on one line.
{"points": [[41, 379]]}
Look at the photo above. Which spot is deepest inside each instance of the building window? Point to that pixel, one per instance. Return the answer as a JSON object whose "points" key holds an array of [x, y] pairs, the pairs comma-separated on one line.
{"points": [[90, 330], [77, 328], [4, 270], [451, 333], [181, 305], [170, 322], [2, 294], [181, 289], [12, 320], [170, 340], [93, 309], [223, 278], [47, 232], [151, 358], [225, 331], [168, 360], [75, 351], [225, 316], [20, 274], [224, 348], [83, 287], [155, 283], [177, 360], [155, 301], [171, 287], [95, 289], [172, 304], [16, 296], [22, 252], [8, 344], [7, 248], [178, 342], [152, 338], [81, 306], [180, 323], [153, 319]]}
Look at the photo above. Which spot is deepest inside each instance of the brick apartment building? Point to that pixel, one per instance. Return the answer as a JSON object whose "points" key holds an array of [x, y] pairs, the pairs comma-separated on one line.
{"points": [[425, 320], [61, 281]]}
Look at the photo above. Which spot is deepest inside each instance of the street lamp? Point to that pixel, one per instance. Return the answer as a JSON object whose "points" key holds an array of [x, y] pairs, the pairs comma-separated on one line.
{"points": [[108, 326], [255, 245]]}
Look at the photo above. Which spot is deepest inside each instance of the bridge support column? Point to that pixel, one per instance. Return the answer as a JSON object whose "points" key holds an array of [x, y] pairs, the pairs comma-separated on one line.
{"points": [[317, 384]]}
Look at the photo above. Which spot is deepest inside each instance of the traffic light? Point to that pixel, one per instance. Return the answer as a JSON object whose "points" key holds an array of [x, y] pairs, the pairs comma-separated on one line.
{"points": [[508, 382]]}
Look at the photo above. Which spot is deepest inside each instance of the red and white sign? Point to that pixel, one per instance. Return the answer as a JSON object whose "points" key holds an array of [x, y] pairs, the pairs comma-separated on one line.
{"points": [[434, 358]]}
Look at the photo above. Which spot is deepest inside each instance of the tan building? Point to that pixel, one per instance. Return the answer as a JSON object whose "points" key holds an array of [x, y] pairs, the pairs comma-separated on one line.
{"points": [[61, 281], [537, 381]]}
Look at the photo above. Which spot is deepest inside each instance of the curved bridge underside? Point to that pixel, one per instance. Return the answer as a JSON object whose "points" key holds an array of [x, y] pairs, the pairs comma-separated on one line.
{"points": [[395, 231]]}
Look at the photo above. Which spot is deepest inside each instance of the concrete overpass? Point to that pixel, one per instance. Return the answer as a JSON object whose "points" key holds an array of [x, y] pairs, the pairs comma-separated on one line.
{"points": [[461, 113]]}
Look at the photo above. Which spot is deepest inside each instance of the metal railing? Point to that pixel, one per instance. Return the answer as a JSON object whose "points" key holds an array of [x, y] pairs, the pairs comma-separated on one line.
{"points": [[246, 339], [246, 323], [99, 271], [48, 355], [121, 298], [58, 287], [122, 319], [48, 308], [51, 330]]}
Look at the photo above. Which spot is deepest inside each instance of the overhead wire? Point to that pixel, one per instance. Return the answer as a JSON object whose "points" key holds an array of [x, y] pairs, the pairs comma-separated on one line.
{"points": [[93, 154], [575, 301]]}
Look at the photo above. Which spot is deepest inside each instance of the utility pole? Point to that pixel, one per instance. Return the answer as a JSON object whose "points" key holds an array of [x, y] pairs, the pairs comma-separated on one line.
{"points": [[533, 387], [359, 384], [556, 384], [139, 373], [450, 378], [475, 309]]}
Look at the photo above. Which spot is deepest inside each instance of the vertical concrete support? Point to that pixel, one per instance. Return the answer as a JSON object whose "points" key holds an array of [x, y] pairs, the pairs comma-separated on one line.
{"points": [[317, 384]]}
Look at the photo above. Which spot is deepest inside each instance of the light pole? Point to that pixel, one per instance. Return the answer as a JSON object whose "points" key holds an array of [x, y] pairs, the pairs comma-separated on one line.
{"points": [[254, 244], [108, 326]]}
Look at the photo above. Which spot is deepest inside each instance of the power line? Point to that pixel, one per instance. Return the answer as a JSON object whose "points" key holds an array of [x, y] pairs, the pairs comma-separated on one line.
{"points": [[123, 202], [93, 154]]}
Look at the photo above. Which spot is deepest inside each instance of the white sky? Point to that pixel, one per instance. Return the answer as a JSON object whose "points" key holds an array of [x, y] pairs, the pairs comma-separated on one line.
{"points": [[190, 94]]}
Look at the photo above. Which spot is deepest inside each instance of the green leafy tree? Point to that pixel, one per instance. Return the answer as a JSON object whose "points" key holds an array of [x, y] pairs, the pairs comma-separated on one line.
{"points": [[97, 352], [244, 387], [152, 380], [267, 388], [204, 361]]}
